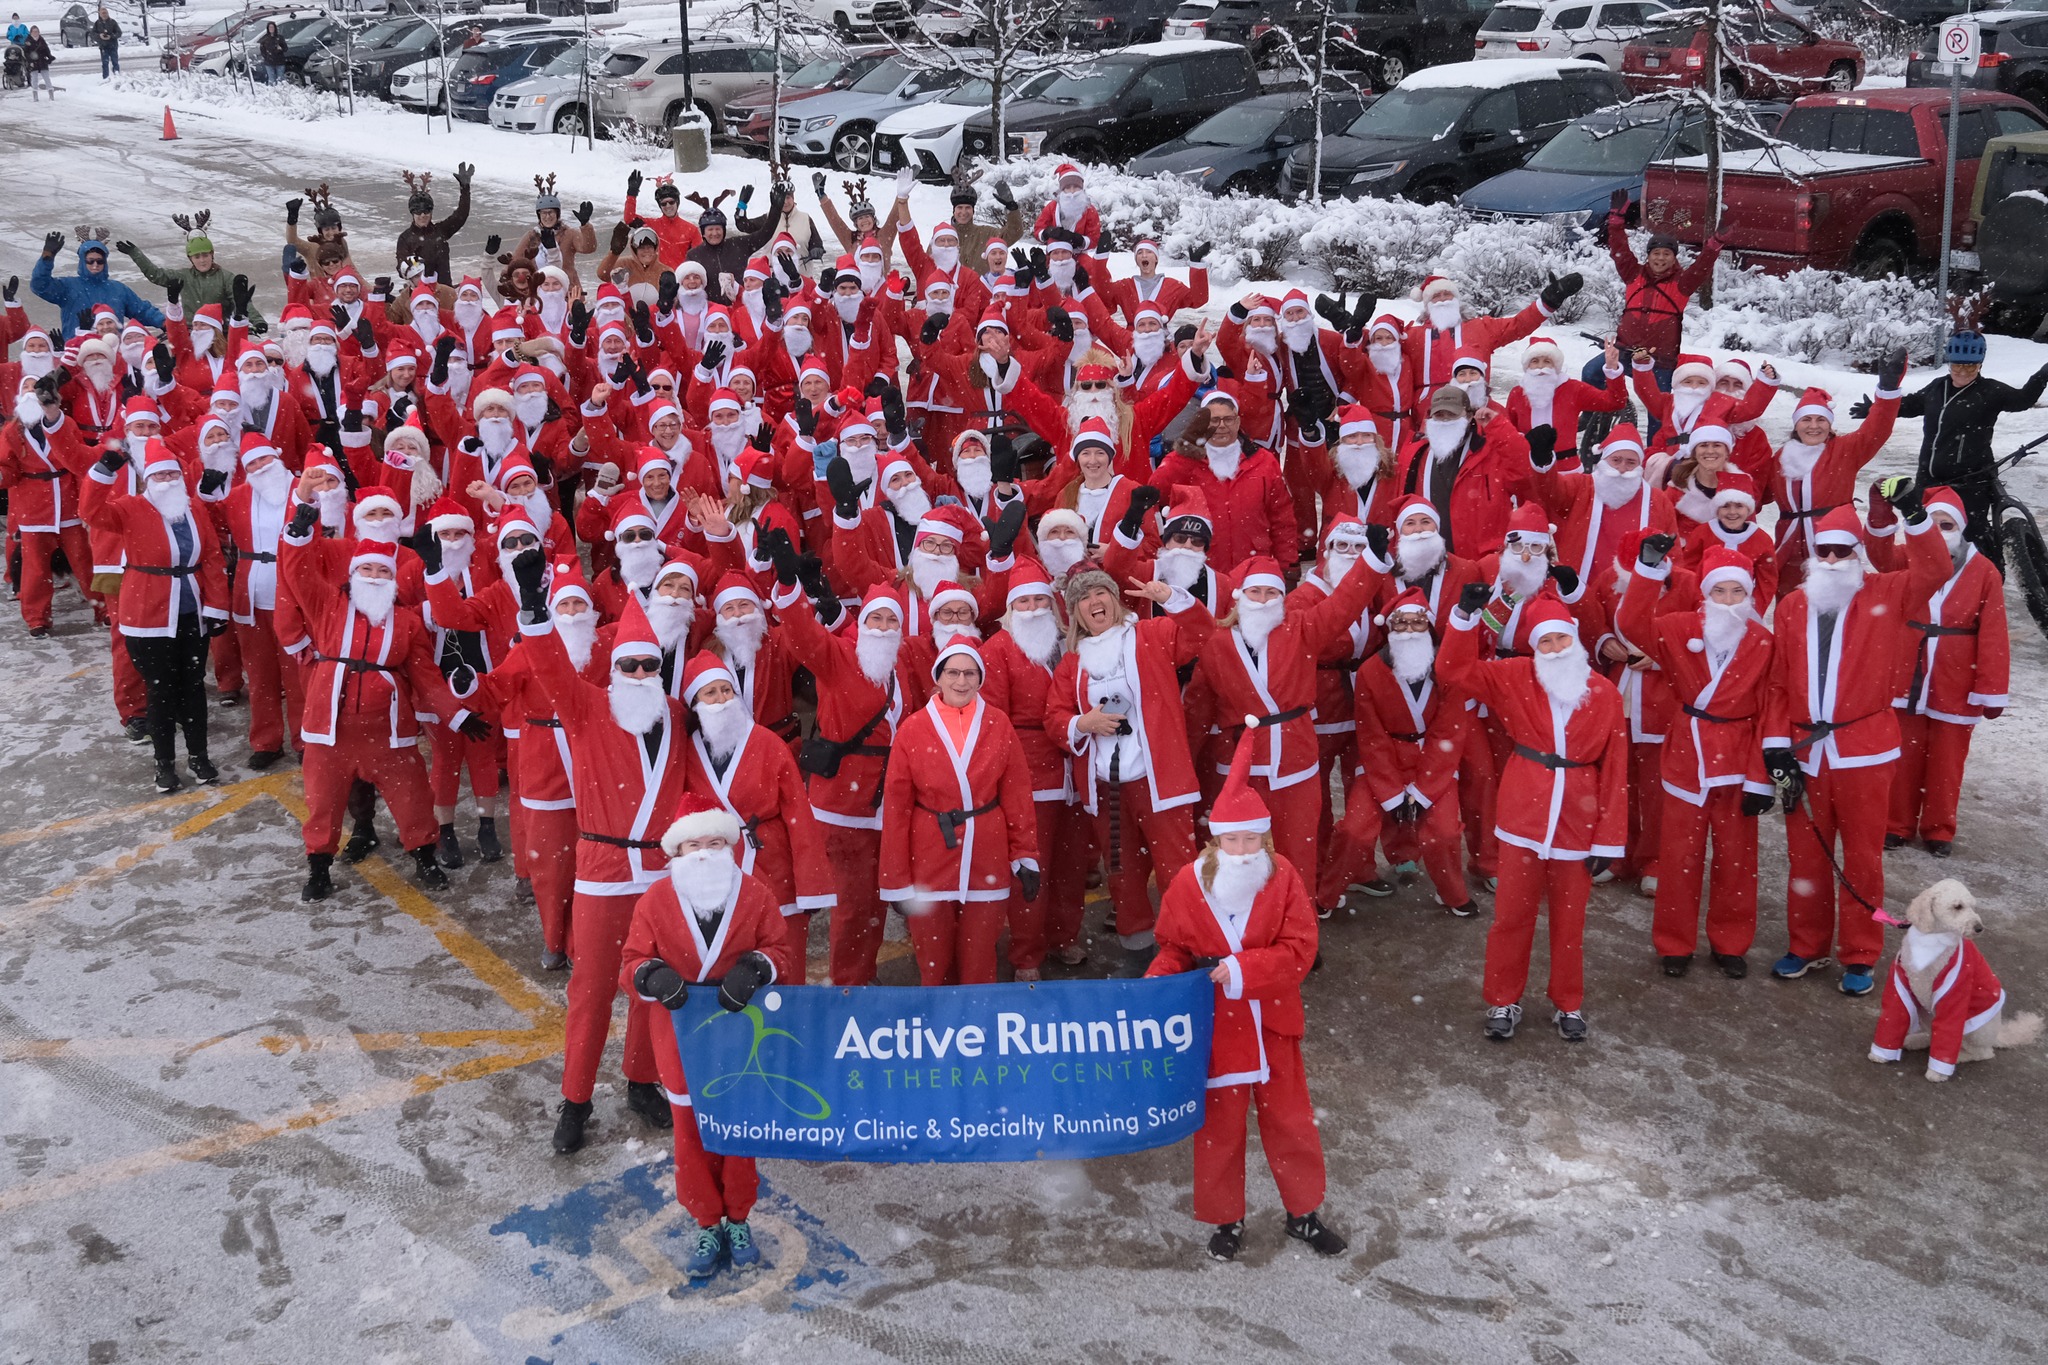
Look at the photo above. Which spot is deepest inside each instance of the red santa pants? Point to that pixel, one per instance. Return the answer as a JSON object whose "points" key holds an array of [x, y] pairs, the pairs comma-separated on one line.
{"points": [[226, 649], [1848, 808], [711, 1187], [38, 583], [1293, 809], [598, 927], [276, 684], [1682, 867], [1148, 841], [1054, 919], [857, 918], [131, 698], [956, 941], [1527, 881], [1478, 789], [362, 749], [453, 752], [546, 841], [1929, 780], [1645, 808], [1287, 1132], [1365, 824]]}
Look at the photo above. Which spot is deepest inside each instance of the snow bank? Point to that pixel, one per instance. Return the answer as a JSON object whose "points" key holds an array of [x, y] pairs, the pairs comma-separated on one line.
{"points": [[1818, 315], [230, 99]]}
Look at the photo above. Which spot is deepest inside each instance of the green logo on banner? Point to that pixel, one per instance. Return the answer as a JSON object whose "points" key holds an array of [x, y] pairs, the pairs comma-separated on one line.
{"points": [[785, 1089]]}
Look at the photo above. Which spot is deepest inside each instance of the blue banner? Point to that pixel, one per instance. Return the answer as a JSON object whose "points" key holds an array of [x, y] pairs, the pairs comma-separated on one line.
{"points": [[1030, 1072]]}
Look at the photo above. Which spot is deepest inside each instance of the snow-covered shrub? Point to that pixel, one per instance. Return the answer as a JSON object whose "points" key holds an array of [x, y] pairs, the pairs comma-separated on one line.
{"points": [[1251, 239], [1819, 315], [1382, 247], [1500, 266], [292, 103]]}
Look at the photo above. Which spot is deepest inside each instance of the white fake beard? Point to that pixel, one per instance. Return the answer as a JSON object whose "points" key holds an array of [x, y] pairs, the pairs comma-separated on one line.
{"points": [[1337, 563], [1445, 436], [944, 634], [531, 408], [1385, 357], [536, 505], [468, 313], [724, 724], [692, 301], [554, 307], [1420, 554], [608, 312], [670, 617], [1224, 459], [1522, 576], [1412, 654], [876, 652], [1084, 404], [704, 879], [1061, 554], [1954, 541], [1264, 340], [1300, 333], [232, 418], [946, 258], [930, 572], [1723, 625], [1359, 462], [173, 501], [728, 439], [1239, 879], [373, 597], [271, 483], [1256, 621], [1542, 384], [870, 275], [320, 360], [381, 532], [1445, 314], [255, 389], [1797, 458], [1062, 271], [1179, 566], [496, 435], [455, 558], [1832, 583], [1475, 393], [203, 337], [36, 364], [847, 306], [974, 476], [742, 637], [426, 325], [911, 503], [1081, 345], [578, 633], [1148, 347], [334, 507], [1037, 633], [28, 409], [1686, 405], [100, 373], [798, 340], [134, 353], [1073, 203], [756, 306], [639, 562], [638, 704], [1614, 488], [1566, 675]]}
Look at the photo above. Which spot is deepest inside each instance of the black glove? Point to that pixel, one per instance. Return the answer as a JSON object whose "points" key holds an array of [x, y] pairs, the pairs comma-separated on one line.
{"points": [[643, 323], [303, 516], [492, 243], [1201, 253], [1566, 578], [111, 461], [934, 327], [818, 183], [1143, 499], [1006, 196], [444, 349], [806, 416], [366, 333], [714, 354], [782, 554], [1039, 268], [893, 417], [1893, 370], [1027, 877], [655, 979], [463, 172], [1654, 549], [1080, 279], [666, 292], [291, 211], [1473, 597], [1060, 324], [351, 420], [166, 363], [583, 212], [548, 237], [845, 492], [461, 679], [1543, 446], [1561, 288], [1785, 775], [1407, 813], [1755, 804], [338, 315], [760, 440], [1380, 538], [1003, 529], [621, 234], [529, 570], [52, 242], [430, 553], [1903, 493], [174, 289], [243, 291], [749, 974], [215, 625], [789, 268], [212, 481], [1475, 440], [1003, 463], [579, 322], [85, 319], [1861, 407], [746, 196], [381, 286], [402, 404], [1332, 310], [1617, 202], [633, 183], [125, 248]]}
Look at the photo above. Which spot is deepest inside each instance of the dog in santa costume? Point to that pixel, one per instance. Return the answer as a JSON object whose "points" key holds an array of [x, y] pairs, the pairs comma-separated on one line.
{"points": [[1943, 995]]}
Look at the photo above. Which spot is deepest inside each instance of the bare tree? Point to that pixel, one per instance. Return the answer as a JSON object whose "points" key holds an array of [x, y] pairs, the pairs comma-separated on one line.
{"points": [[1330, 42], [1019, 40], [776, 22]]}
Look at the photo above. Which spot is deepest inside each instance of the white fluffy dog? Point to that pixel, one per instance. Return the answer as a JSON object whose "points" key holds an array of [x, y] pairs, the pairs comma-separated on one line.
{"points": [[1941, 994]]}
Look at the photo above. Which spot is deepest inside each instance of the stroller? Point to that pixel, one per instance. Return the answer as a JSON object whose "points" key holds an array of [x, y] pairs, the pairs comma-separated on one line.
{"points": [[14, 68]]}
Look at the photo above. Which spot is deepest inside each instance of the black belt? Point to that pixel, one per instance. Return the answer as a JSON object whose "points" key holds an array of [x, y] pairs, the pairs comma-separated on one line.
{"points": [[1277, 718], [1932, 631], [1698, 714], [1550, 761], [550, 723], [950, 821], [1821, 729], [619, 843], [1415, 738], [1811, 512], [1342, 666], [752, 830], [257, 556], [53, 474], [175, 571], [353, 665]]}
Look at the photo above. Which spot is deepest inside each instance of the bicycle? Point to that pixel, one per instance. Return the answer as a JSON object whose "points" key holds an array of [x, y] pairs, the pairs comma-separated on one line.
{"points": [[2019, 538]]}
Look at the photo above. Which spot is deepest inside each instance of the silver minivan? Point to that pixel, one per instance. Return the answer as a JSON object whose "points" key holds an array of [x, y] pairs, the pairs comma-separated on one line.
{"points": [[651, 96], [554, 98]]}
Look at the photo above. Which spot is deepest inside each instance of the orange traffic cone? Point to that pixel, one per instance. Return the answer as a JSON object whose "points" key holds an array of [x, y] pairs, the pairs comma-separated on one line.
{"points": [[170, 128]]}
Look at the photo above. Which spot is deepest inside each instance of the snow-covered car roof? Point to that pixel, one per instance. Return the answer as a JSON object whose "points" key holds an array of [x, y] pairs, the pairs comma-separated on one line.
{"points": [[1499, 72], [1794, 161], [1170, 46]]}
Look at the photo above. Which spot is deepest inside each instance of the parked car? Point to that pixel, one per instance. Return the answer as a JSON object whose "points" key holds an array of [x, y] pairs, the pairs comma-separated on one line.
{"points": [[2014, 57], [1100, 24], [1251, 24], [1566, 28], [653, 96], [418, 86], [1124, 101], [1244, 147], [1443, 130], [237, 54], [1387, 39], [838, 126], [944, 22], [2010, 208], [1779, 56], [75, 28], [853, 17], [554, 98], [747, 114], [474, 78], [179, 49], [1860, 189], [1576, 172], [373, 55], [928, 136]]}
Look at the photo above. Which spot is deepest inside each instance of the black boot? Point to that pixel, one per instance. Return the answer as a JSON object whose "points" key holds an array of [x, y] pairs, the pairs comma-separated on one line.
{"points": [[1676, 964], [1309, 1228], [449, 851], [1227, 1240], [569, 1122], [319, 886], [203, 769], [645, 1099], [167, 779], [265, 758], [361, 839], [431, 877], [487, 849]]}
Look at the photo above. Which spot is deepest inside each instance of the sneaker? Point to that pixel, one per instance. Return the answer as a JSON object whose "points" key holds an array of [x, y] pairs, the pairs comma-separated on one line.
{"points": [[1408, 873], [447, 850], [203, 770], [319, 884], [645, 1099], [1603, 871], [1892, 841], [136, 730], [1647, 888], [488, 850], [1325, 911], [39, 633], [167, 779], [739, 1240], [265, 758], [361, 840], [1227, 1240], [552, 961], [230, 700], [427, 871], [1309, 1228], [1940, 847], [710, 1249], [1378, 888], [1733, 965], [1501, 1021], [569, 1122], [1791, 966], [1675, 965], [1465, 911], [1492, 883], [1571, 1025], [1857, 978]]}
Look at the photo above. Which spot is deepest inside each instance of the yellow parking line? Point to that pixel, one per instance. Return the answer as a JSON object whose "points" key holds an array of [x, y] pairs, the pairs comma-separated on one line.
{"points": [[80, 823], [271, 1044]]}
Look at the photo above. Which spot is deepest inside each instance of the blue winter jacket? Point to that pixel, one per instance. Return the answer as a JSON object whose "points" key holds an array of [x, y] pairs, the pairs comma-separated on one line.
{"points": [[81, 293]]}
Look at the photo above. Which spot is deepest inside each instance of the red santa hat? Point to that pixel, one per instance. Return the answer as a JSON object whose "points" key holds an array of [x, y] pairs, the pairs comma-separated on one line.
{"points": [[140, 409], [1734, 367], [227, 393], [507, 326], [673, 566], [1238, 809], [1529, 525], [992, 318], [956, 524], [1353, 419], [755, 468], [724, 400], [735, 587], [647, 458], [1839, 527], [963, 648], [423, 293], [628, 512], [567, 581], [512, 517], [469, 284], [1692, 366], [1469, 360], [489, 398], [1945, 499], [1733, 486], [400, 356], [1148, 309], [705, 667], [634, 637], [1258, 306], [1346, 528], [878, 597], [813, 364], [757, 269], [1723, 565], [1388, 322], [511, 467], [1417, 505], [1146, 244], [1028, 578], [210, 315], [1067, 170], [699, 817], [410, 433], [255, 445], [296, 315], [791, 311], [1542, 348], [1624, 436], [1261, 571], [1065, 517], [364, 552], [1711, 430], [1433, 285], [1225, 393], [528, 374], [1546, 614], [371, 500], [950, 593], [1410, 600], [447, 514], [158, 458], [1815, 402], [692, 266], [945, 229], [665, 408], [322, 329], [1095, 431]]}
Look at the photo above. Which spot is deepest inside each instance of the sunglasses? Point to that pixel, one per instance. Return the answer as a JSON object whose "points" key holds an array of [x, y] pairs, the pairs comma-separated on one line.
{"points": [[1092, 386], [635, 536], [518, 542], [1834, 552], [633, 667]]}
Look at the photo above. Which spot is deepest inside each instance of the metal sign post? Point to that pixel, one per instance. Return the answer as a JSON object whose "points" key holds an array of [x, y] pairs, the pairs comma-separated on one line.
{"points": [[1961, 41]]}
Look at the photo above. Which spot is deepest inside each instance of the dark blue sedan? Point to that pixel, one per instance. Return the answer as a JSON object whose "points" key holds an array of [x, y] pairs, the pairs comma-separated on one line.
{"points": [[483, 70], [1244, 147]]}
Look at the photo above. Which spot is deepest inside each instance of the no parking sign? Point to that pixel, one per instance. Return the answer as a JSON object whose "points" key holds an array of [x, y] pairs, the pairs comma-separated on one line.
{"points": [[1961, 41]]}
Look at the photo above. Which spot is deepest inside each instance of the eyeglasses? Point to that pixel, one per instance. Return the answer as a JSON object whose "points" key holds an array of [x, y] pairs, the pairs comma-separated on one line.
{"points": [[518, 541], [635, 536], [1834, 552], [632, 667], [1092, 386]]}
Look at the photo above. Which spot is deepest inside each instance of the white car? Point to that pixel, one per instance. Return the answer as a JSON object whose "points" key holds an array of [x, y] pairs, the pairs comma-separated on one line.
{"points": [[1594, 30], [419, 86], [926, 137]]}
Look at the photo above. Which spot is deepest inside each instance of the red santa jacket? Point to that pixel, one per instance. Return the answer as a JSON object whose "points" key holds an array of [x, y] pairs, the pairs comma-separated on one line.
{"points": [[1967, 996], [1427, 353], [1674, 432], [1711, 739], [1647, 699], [1588, 530], [849, 705], [1564, 792], [1964, 658], [1162, 291], [1153, 650], [1409, 739], [153, 566], [1752, 540], [782, 845], [1489, 481], [40, 472], [665, 930], [1252, 512], [1018, 685], [1803, 498], [956, 819], [525, 714], [1572, 397], [254, 532], [1268, 958]]}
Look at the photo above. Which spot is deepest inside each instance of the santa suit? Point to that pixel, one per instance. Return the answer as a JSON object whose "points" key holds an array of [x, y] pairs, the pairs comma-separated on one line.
{"points": [[1588, 530], [710, 1187], [1140, 787], [1162, 291], [1410, 741], [1562, 410], [1563, 800], [1807, 492], [622, 793], [1484, 484], [1427, 352], [276, 682], [1647, 702], [957, 823], [1252, 512], [40, 471], [1255, 1045], [782, 845], [1674, 432], [1967, 996], [543, 808], [476, 619], [1018, 685], [1710, 760], [1830, 702], [1752, 542]]}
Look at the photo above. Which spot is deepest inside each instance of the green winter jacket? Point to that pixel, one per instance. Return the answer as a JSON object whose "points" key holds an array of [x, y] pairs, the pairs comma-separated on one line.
{"points": [[215, 286]]}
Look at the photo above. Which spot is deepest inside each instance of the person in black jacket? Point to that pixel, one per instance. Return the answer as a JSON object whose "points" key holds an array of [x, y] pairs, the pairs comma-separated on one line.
{"points": [[723, 254], [1958, 413], [424, 239], [270, 48], [37, 52], [107, 35]]}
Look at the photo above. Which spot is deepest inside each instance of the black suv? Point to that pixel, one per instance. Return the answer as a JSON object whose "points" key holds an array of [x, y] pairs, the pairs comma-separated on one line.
{"points": [[1124, 101], [2015, 56], [1400, 35], [1100, 24], [1443, 131]]}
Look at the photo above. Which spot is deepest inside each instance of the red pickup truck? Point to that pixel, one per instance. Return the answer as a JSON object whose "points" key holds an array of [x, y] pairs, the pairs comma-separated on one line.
{"points": [[1858, 188]]}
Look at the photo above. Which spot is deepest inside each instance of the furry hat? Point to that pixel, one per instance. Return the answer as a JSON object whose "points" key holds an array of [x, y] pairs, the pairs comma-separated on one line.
{"points": [[1086, 582]]}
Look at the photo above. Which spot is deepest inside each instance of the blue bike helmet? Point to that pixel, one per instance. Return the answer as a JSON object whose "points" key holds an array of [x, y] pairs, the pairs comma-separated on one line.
{"points": [[1964, 348]]}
